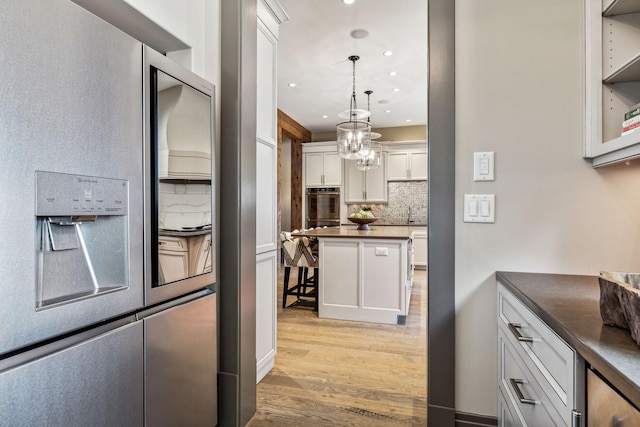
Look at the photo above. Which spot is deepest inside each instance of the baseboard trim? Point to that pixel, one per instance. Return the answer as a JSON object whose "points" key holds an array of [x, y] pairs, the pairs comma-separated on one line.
{"points": [[464, 419], [440, 416]]}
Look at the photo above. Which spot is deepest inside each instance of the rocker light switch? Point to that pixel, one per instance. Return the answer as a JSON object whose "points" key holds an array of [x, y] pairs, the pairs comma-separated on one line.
{"points": [[483, 169], [479, 208]]}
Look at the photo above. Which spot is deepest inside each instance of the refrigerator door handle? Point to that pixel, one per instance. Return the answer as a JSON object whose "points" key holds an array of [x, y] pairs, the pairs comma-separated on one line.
{"points": [[183, 300], [576, 418], [22, 357]]}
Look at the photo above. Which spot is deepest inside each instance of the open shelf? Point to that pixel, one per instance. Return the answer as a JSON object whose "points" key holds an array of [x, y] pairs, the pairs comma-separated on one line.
{"points": [[619, 7], [629, 72]]}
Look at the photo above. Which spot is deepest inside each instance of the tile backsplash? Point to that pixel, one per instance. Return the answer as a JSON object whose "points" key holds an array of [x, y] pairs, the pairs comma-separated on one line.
{"points": [[403, 195]]}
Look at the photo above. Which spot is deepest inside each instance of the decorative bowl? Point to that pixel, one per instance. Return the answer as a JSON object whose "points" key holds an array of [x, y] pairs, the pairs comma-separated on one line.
{"points": [[620, 301], [363, 223]]}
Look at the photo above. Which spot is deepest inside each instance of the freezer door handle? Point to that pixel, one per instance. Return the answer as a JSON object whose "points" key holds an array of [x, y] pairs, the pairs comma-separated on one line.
{"points": [[576, 419]]}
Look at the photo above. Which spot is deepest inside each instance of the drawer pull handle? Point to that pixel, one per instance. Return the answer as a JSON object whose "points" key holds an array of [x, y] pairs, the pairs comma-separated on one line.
{"points": [[514, 384], [514, 328]]}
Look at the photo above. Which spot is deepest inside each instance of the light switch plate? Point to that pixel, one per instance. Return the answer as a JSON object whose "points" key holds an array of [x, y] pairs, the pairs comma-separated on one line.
{"points": [[483, 166], [480, 208]]}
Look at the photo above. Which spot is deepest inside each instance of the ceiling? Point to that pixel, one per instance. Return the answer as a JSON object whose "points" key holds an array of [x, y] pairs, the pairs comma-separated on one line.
{"points": [[313, 50]]}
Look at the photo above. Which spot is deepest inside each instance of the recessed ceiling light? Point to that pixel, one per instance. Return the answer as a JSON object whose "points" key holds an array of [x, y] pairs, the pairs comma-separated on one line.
{"points": [[396, 89], [359, 34], [392, 73], [292, 85], [387, 111], [387, 53], [408, 120], [348, 1], [324, 116]]}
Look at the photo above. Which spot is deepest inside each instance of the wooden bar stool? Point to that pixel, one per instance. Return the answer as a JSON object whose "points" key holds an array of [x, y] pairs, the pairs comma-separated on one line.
{"points": [[299, 252]]}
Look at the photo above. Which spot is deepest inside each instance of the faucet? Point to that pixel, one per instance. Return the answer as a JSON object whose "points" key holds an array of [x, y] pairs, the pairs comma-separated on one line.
{"points": [[409, 220]]}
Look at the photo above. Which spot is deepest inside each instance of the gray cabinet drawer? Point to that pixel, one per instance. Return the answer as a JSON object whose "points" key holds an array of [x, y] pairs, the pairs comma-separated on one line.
{"points": [[541, 349], [507, 415], [523, 390]]}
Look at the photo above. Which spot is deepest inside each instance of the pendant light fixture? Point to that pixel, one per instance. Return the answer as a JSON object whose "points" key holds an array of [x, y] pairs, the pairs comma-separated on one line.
{"points": [[371, 160], [354, 135], [374, 135]]}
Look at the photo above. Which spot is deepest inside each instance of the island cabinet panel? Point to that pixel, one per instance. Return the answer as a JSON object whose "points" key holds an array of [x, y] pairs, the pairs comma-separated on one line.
{"points": [[339, 261], [381, 269], [364, 279]]}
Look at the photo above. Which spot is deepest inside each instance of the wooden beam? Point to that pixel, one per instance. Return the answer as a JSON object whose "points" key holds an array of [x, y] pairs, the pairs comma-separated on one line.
{"points": [[293, 129], [287, 127]]}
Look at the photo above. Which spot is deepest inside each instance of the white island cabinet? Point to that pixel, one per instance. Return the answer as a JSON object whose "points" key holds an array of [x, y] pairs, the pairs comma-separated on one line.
{"points": [[365, 275]]}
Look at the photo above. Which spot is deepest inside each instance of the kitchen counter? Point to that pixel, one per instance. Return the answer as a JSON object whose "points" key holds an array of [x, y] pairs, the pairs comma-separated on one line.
{"points": [[351, 231], [570, 306], [388, 224]]}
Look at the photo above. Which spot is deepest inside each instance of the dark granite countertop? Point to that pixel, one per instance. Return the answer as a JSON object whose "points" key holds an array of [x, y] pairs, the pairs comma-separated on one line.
{"points": [[570, 306], [351, 231]]}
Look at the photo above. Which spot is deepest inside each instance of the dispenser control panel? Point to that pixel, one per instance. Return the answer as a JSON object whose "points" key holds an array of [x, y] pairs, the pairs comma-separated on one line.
{"points": [[60, 194]]}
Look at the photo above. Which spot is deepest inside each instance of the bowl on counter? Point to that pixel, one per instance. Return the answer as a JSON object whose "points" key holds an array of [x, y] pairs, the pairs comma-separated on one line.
{"points": [[363, 223], [620, 301]]}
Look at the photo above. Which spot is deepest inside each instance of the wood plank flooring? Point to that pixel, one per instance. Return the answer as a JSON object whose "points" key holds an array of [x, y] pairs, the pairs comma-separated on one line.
{"points": [[340, 373]]}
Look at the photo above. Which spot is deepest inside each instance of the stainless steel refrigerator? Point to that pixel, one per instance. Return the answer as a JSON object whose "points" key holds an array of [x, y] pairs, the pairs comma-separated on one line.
{"points": [[107, 227]]}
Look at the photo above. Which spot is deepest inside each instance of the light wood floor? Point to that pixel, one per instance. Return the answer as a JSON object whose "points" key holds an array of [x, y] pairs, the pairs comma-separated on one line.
{"points": [[340, 373]]}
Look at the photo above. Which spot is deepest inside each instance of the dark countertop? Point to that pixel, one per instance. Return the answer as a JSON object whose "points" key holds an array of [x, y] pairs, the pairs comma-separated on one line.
{"points": [[570, 306], [387, 224], [351, 231]]}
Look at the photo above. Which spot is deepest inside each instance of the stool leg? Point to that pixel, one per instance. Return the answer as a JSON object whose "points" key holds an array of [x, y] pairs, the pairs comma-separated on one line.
{"points": [[315, 283], [302, 275], [306, 279], [287, 272]]}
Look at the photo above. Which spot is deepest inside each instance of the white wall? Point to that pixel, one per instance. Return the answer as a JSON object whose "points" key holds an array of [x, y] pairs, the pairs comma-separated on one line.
{"points": [[196, 23], [519, 92]]}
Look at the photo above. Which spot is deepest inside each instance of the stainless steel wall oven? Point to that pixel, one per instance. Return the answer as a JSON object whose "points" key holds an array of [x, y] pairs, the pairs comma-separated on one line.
{"points": [[323, 206]]}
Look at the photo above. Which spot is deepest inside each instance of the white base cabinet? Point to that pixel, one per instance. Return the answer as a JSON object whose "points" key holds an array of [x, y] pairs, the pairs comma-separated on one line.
{"points": [[420, 249]]}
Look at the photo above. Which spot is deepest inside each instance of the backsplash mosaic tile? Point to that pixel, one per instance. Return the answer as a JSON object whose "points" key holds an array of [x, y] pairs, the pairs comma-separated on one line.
{"points": [[407, 202]]}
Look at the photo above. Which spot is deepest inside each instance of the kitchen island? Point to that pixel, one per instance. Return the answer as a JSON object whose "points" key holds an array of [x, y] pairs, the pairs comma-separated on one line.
{"points": [[365, 275]]}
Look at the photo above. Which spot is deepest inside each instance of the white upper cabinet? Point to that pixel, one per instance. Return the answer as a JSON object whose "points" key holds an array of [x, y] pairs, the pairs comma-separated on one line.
{"points": [[407, 165], [323, 169], [612, 34], [365, 186]]}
